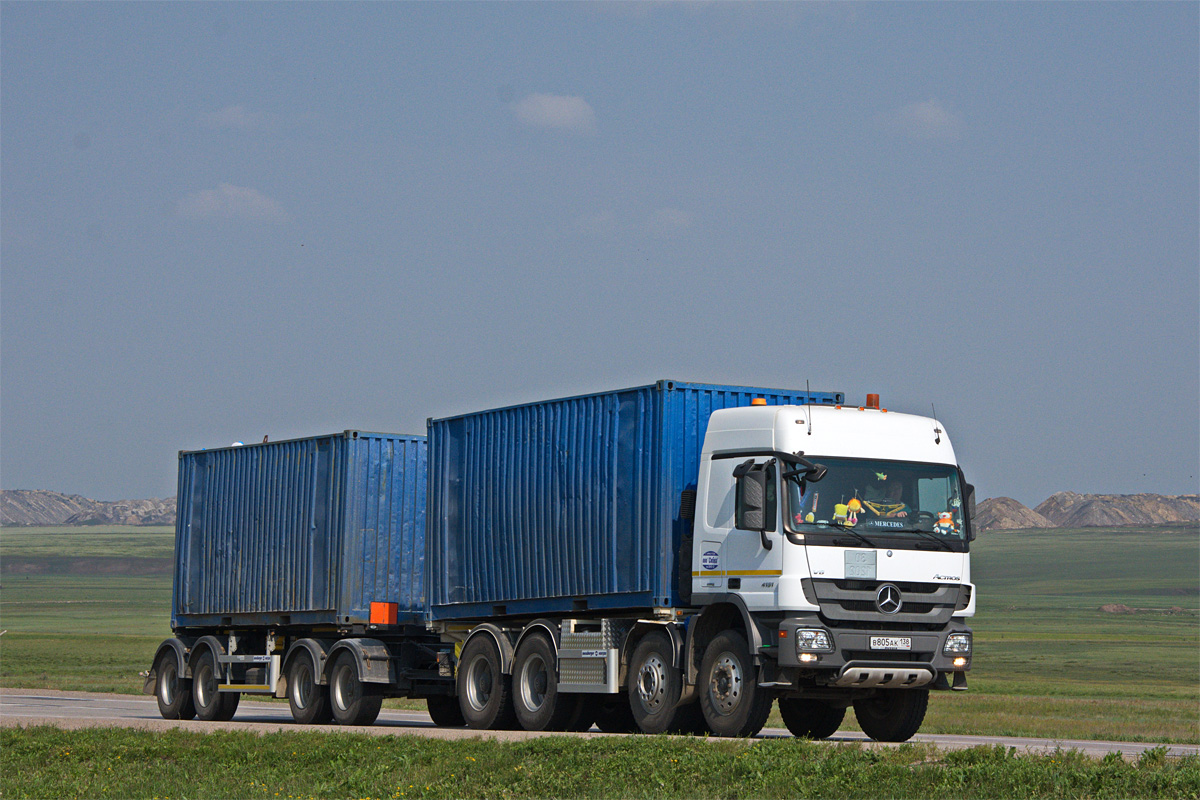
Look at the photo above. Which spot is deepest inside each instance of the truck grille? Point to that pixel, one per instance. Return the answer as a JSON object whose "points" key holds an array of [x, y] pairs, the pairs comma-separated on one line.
{"points": [[854, 601]]}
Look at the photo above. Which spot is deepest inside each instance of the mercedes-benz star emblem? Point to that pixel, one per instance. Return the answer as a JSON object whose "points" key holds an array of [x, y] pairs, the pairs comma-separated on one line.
{"points": [[887, 599]]}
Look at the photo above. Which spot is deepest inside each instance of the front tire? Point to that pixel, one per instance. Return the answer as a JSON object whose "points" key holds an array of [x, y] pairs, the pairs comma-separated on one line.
{"points": [[536, 700], [732, 702], [172, 691], [810, 719], [892, 715], [212, 705], [308, 700], [348, 697], [484, 692]]}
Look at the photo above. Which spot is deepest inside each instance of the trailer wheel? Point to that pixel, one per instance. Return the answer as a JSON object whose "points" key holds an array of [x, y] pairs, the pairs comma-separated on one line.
{"points": [[810, 719], [211, 704], [308, 700], [444, 711], [173, 692], [730, 697], [536, 700], [484, 692], [655, 686], [892, 715], [348, 698]]}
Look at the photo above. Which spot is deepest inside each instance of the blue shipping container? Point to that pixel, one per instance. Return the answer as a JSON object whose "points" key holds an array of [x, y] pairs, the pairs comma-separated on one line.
{"points": [[570, 505], [301, 532]]}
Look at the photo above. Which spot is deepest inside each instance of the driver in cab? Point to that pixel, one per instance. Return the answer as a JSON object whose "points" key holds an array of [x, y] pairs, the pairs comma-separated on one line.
{"points": [[884, 499]]}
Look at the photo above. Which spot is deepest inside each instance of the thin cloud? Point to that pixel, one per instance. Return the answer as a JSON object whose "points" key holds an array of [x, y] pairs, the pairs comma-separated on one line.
{"points": [[555, 111], [236, 118], [924, 121], [230, 202]]}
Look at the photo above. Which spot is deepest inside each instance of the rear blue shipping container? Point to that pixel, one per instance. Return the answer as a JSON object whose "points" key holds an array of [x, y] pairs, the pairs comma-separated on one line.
{"points": [[301, 532], [570, 505]]}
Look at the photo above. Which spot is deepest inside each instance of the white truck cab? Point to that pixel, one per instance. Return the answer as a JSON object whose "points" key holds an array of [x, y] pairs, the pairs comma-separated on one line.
{"points": [[843, 534]]}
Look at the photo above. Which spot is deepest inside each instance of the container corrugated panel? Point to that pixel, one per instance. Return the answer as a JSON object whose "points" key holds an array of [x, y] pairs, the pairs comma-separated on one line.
{"points": [[301, 532], [570, 505]]}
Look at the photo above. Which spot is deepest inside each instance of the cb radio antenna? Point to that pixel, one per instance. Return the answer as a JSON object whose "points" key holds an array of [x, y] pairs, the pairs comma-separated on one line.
{"points": [[807, 403]]}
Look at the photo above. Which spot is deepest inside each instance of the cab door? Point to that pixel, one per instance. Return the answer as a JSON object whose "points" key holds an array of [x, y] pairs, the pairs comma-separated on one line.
{"points": [[743, 553]]}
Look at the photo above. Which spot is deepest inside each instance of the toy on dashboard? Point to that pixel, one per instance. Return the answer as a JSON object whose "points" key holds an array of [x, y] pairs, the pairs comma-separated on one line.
{"points": [[852, 509], [945, 524]]}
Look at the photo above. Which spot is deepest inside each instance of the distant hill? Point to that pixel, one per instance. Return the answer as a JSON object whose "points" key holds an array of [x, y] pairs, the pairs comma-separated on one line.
{"points": [[1004, 513], [22, 507], [1071, 510], [1064, 510]]}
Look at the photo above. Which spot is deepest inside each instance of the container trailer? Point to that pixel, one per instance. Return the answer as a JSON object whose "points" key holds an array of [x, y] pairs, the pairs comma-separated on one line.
{"points": [[672, 557]]}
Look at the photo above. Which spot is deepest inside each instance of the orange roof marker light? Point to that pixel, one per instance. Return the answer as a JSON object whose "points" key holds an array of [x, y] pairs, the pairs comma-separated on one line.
{"points": [[758, 401], [873, 401]]}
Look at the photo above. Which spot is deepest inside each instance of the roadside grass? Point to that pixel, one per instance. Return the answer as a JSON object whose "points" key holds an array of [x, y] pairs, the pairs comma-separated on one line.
{"points": [[1047, 661], [111, 762]]}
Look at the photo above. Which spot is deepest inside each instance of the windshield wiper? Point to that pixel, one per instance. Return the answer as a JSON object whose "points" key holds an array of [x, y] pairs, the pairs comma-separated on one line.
{"points": [[853, 533], [932, 537]]}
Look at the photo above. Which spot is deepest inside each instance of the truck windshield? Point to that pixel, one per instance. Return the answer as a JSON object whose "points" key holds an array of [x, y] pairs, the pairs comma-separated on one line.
{"points": [[879, 498]]}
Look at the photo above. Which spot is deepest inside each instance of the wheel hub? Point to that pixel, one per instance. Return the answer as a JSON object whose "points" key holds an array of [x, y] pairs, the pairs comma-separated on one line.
{"points": [[652, 683], [725, 684], [479, 684], [534, 682]]}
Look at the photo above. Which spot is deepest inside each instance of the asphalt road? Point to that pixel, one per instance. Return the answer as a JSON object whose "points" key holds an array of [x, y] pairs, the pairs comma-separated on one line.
{"points": [[25, 707]]}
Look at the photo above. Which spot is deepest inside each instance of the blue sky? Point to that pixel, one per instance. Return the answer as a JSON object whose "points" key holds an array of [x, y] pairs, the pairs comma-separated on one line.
{"points": [[219, 221]]}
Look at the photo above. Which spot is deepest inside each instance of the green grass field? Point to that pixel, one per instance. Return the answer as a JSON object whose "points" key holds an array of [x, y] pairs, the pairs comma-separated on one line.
{"points": [[110, 762], [84, 608]]}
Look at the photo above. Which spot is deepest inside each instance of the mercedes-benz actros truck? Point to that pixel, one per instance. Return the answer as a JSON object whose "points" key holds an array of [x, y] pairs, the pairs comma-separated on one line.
{"points": [[669, 558]]}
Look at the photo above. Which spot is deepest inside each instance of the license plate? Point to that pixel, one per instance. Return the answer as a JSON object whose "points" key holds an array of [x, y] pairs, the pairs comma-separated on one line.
{"points": [[891, 643]]}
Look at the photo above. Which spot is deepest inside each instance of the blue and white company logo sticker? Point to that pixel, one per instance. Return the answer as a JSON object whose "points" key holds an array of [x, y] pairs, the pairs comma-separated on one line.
{"points": [[709, 560]]}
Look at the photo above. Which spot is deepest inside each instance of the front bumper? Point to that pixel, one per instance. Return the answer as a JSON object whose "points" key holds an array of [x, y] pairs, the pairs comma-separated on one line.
{"points": [[854, 663]]}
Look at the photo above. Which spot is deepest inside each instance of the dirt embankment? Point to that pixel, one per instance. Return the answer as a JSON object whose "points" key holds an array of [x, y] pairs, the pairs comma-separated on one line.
{"points": [[22, 507]]}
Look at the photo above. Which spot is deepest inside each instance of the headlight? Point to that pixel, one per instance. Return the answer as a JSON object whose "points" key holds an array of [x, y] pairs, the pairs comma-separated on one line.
{"points": [[813, 639], [957, 643]]}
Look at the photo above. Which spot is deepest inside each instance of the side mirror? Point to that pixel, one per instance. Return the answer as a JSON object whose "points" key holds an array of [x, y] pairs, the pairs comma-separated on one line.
{"points": [[751, 496]]}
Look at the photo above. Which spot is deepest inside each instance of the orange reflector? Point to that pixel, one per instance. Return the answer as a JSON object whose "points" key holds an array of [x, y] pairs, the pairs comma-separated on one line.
{"points": [[384, 613], [758, 401]]}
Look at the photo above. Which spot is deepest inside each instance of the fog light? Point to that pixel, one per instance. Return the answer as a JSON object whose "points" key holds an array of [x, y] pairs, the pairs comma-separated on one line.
{"points": [[809, 658], [959, 661], [813, 639], [957, 643]]}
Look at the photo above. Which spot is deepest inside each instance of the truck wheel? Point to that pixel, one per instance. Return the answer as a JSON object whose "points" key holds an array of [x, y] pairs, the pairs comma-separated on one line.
{"points": [[308, 699], [616, 716], [810, 719], [484, 692], [732, 702], [211, 705], [655, 686], [348, 698], [892, 715], [174, 693], [536, 699], [444, 711]]}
